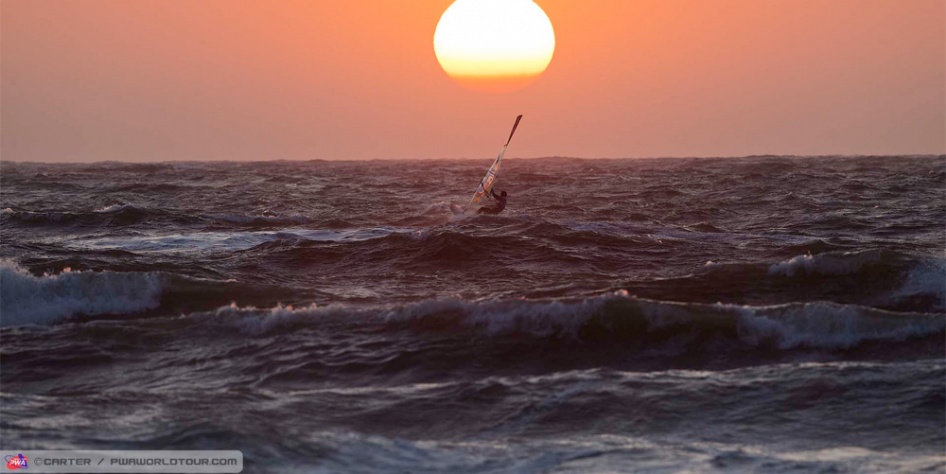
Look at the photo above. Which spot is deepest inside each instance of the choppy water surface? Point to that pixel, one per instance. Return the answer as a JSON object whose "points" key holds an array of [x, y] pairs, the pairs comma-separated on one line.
{"points": [[764, 314]]}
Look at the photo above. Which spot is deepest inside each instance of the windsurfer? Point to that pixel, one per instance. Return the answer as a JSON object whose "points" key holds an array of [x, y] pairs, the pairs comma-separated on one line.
{"points": [[496, 208]]}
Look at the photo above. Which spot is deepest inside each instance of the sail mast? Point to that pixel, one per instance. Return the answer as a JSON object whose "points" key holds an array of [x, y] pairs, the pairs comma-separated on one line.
{"points": [[486, 184]]}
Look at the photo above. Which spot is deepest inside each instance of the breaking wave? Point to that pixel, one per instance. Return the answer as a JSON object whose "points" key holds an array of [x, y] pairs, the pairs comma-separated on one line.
{"points": [[616, 318], [28, 299]]}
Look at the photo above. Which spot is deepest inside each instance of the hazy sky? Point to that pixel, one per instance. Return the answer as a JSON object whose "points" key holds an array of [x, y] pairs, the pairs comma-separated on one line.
{"points": [[140, 80]]}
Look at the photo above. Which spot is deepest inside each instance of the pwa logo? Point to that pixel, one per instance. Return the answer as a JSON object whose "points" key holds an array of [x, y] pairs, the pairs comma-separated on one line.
{"points": [[16, 462]]}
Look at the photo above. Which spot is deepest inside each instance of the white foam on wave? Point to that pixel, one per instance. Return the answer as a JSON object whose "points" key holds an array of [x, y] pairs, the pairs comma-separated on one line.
{"points": [[493, 317], [829, 325], [924, 277], [254, 320], [825, 264], [814, 325], [928, 277], [498, 317], [27, 299], [113, 208], [221, 241]]}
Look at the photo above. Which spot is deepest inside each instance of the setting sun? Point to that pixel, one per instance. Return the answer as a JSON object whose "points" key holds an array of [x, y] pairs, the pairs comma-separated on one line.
{"points": [[494, 45]]}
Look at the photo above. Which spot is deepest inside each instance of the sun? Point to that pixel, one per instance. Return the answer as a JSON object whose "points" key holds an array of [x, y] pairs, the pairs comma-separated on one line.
{"points": [[494, 45]]}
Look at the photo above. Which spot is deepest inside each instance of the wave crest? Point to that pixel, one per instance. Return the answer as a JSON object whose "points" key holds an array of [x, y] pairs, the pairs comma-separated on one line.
{"points": [[617, 318], [27, 299]]}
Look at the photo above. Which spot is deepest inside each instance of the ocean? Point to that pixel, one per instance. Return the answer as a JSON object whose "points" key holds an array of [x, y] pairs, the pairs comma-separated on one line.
{"points": [[762, 314]]}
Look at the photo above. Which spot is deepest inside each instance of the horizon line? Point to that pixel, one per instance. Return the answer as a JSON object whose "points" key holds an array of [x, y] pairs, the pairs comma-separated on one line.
{"points": [[551, 157]]}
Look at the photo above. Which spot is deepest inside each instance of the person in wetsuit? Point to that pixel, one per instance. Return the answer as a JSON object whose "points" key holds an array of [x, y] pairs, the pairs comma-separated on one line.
{"points": [[498, 207]]}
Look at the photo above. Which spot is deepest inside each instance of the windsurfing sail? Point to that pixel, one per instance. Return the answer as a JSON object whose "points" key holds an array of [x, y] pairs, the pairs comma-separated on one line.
{"points": [[486, 184]]}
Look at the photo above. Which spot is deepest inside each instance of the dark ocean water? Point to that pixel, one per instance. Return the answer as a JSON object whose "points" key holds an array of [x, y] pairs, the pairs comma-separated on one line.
{"points": [[766, 314]]}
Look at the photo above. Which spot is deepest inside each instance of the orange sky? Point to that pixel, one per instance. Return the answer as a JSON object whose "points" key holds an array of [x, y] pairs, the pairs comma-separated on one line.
{"points": [[148, 80]]}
